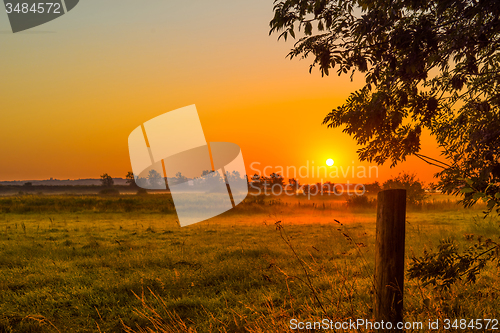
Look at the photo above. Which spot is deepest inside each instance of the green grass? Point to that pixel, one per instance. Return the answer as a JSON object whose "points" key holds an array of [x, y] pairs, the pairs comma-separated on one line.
{"points": [[115, 264]]}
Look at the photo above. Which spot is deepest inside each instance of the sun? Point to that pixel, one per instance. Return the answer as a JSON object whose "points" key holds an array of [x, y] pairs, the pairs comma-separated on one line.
{"points": [[329, 162]]}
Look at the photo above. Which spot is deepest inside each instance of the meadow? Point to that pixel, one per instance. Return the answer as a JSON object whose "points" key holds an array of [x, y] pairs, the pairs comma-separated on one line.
{"points": [[88, 263]]}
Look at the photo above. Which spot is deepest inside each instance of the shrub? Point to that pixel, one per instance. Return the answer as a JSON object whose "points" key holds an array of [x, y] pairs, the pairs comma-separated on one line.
{"points": [[415, 193], [361, 201]]}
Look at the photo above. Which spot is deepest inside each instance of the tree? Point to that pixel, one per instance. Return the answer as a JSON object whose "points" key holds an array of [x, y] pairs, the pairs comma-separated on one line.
{"points": [[215, 182], [180, 178], [430, 65], [131, 179], [155, 180], [234, 176], [415, 192], [293, 185], [142, 182], [276, 179], [328, 187], [107, 181], [256, 182], [373, 187]]}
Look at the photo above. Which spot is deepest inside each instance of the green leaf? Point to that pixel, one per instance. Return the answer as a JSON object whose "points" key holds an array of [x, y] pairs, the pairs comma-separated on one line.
{"points": [[466, 190], [478, 195], [491, 204]]}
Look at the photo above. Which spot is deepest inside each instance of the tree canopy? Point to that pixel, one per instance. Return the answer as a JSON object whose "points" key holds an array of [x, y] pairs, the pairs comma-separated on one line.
{"points": [[427, 65], [415, 193], [107, 180]]}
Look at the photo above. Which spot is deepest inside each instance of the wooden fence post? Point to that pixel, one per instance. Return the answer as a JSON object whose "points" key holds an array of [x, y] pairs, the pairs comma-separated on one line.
{"points": [[389, 256]]}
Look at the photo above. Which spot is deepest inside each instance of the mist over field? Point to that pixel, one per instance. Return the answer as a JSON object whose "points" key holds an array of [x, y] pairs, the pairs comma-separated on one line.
{"points": [[121, 263]]}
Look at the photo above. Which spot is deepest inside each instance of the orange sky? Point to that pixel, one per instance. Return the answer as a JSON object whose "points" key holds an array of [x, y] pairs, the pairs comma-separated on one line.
{"points": [[73, 89]]}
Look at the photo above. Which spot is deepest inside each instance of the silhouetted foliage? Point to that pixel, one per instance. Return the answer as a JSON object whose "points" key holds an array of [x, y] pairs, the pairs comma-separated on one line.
{"points": [[275, 179], [447, 266], [214, 182], [142, 182], [180, 178], [155, 180], [432, 187], [373, 187], [361, 201], [427, 64], [293, 185], [329, 187], [107, 180], [234, 176], [415, 192], [256, 182], [131, 179]]}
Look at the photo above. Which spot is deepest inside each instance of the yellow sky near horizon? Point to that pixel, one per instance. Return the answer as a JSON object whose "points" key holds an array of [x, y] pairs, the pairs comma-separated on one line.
{"points": [[72, 90]]}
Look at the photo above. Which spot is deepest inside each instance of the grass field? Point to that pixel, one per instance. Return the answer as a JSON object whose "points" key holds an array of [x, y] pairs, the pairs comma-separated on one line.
{"points": [[122, 264]]}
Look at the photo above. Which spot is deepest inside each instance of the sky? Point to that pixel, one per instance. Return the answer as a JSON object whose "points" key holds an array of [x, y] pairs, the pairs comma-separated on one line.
{"points": [[73, 89]]}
